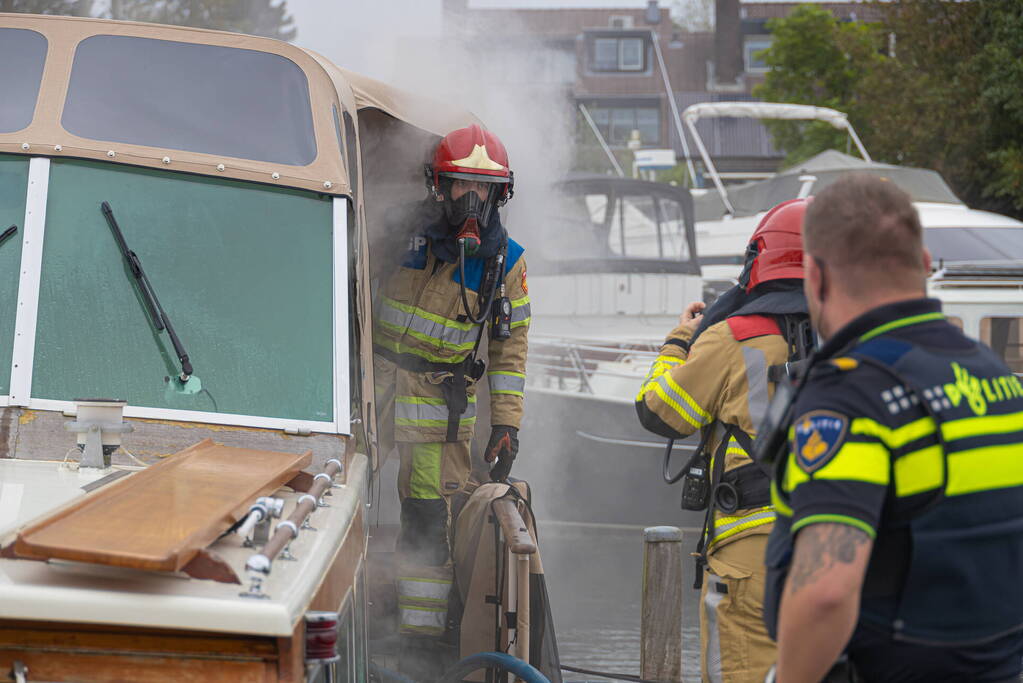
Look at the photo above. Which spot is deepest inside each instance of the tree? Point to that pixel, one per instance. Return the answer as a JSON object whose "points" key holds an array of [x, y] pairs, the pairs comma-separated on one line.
{"points": [[268, 18], [80, 8], [814, 59], [256, 17], [946, 98]]}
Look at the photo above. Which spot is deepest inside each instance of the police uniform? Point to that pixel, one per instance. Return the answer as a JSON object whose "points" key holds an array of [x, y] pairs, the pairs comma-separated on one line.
{"points": [[422, 340], [912, 433], [720, 383]]}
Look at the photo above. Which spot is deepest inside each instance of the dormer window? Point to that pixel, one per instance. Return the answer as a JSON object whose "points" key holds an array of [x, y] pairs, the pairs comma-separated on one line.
{"points": [[618, 53]]}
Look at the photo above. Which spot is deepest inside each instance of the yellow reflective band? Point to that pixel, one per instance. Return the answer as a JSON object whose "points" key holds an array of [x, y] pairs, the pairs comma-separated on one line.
{"points": [[398, 347], [429, 316], [794, 475], [982, 426], [902, 322], [726, 527], [918, 471], [863, 462], [519, 302], [424, 482], [780, 506], [893, 438], [433, 341], [835, 519], [985, 469], [410, 422], [687, 398], [659, 390], [425, 400]]}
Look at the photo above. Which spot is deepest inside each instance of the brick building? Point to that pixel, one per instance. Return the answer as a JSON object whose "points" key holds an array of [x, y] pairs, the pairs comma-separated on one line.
{"points": [[606, 58]]}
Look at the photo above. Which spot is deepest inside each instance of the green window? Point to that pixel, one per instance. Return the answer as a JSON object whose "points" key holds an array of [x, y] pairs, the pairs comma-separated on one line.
{"points": [[244, 272], [13, 187]]}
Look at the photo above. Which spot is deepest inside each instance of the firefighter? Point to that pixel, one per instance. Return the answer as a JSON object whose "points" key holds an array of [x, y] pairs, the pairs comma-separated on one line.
{"points": [[461, 277], [712, 375], [899, 484]]}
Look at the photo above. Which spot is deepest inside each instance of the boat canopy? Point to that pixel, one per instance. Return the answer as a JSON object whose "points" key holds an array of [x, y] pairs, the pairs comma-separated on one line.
{"points": [[748, 199], [766, 110], [186, 99]]}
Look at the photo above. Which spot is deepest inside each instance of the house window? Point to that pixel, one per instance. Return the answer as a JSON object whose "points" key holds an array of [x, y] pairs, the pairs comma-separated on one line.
{"points": [[616, 123], [751, 47], [619, 54]]}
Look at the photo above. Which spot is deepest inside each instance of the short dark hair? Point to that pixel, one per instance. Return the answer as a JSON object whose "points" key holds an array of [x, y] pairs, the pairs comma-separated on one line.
{"points": [[867, 228]]}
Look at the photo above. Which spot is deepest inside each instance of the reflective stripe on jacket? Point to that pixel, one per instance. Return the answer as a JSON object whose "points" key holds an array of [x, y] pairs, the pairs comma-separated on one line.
{"points": [[420, 314], [720, 378]]}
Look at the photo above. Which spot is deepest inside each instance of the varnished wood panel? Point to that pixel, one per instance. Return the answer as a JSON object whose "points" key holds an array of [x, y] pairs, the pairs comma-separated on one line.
{"points": [[159, 518], [341, 575], [86, 653]]}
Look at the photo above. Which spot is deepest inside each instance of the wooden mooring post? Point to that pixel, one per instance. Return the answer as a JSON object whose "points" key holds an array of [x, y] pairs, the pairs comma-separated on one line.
{"points": [[660, 656]]}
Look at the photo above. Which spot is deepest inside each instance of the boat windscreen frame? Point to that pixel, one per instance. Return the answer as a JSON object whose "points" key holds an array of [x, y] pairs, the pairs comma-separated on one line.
{"points": [[760, 111], [615, 188], [30, 281]]}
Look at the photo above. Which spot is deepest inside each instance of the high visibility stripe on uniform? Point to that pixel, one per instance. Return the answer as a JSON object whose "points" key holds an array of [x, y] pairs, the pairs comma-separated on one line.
{"points": [[918, 471], [893, 438], [901, 322], [985, 469], [426, 327], [661, 365], [681, 402], [979, 426], [756, 381], [424, 479], [398, 347], [726, 527], [423, 590], [856, 461], [426, 620], [506, 382], [794, 475], [734, 448], [780, 506], [520, 314], [412, 410], [835, 519]]}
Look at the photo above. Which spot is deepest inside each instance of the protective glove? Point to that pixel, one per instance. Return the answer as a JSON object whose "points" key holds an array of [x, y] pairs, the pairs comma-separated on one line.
{"points": [[503, 447]]}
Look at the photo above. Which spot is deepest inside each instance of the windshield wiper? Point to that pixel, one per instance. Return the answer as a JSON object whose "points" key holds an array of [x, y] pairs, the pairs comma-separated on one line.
{"points": [[7, 233], [156, 312]]}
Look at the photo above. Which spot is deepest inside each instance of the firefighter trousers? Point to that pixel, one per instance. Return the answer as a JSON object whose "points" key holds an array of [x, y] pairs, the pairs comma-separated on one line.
{"points": [[734, 644], [429, 474]]}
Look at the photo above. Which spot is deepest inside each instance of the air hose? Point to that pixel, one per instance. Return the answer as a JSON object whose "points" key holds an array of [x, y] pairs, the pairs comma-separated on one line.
{"points": [[493, 660], [485, 315]]}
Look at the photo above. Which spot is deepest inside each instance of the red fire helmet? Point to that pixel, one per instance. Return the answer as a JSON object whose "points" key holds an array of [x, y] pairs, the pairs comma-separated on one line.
{"points": [[475, 154], [775, 250]]}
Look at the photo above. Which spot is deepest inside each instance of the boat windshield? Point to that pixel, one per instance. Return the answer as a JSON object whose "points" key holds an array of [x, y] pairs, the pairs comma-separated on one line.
{"points": [[245, 269], [974, 244], [609, 225]]}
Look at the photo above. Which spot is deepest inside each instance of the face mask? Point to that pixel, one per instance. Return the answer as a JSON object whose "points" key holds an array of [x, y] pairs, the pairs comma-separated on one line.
{"points": [[469, 213]]}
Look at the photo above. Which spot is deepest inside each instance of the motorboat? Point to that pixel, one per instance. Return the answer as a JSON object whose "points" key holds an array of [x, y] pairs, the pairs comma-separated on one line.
{"points": [[607, 283], [204, 515], [976, 254]]}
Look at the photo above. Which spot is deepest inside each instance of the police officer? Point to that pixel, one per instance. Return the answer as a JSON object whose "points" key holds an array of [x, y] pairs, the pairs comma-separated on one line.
{"points": [[900, 492], [712, 375], [461, 277]]}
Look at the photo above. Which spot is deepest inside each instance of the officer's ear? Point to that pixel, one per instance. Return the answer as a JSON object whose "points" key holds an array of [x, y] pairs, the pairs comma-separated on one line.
{"points": [[927, 261], [816, 278]]}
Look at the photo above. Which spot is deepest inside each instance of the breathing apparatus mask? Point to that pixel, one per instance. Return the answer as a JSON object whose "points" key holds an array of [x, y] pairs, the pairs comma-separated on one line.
{"points": [[470, 214]]}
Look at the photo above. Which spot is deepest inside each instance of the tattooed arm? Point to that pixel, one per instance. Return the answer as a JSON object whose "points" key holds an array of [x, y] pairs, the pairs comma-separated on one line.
{"points": [[821, 601]]}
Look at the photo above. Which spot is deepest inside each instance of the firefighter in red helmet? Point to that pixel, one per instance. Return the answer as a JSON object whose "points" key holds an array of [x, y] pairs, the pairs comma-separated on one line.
{"points": [[715, 374], [462, 279]]}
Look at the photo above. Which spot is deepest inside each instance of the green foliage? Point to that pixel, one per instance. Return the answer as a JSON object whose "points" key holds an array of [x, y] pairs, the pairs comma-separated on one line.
{"points": [[948, 99], [815, 59], [268, 18], [80, 8]]}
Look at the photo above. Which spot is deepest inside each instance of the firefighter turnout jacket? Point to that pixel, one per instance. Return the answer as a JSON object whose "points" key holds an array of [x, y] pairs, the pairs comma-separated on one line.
{"points": [[721, 381], [422, 329], [912, 433]]}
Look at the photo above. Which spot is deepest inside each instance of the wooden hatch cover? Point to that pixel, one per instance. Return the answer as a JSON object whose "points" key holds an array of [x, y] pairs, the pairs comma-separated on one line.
{"points": [[160, 518]]}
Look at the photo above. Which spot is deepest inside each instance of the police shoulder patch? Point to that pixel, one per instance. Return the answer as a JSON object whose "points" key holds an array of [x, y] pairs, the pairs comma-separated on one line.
{"points": [[819, 434]]}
